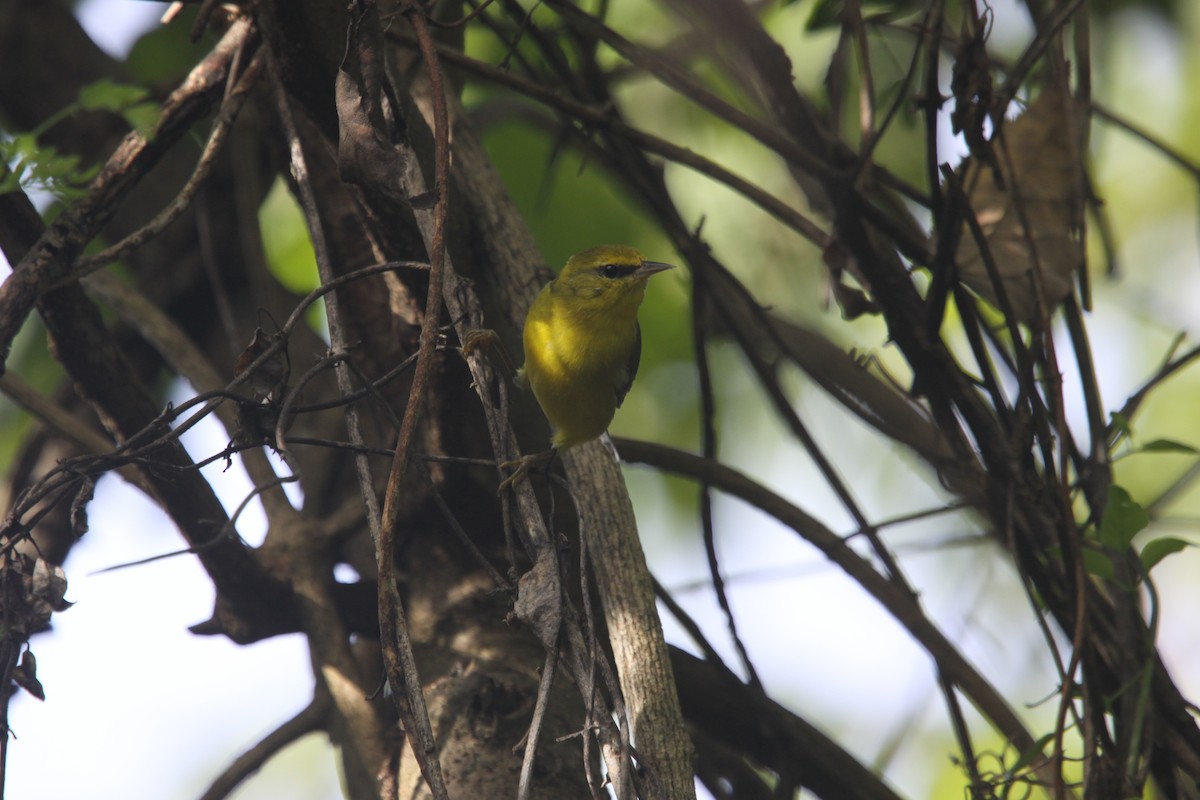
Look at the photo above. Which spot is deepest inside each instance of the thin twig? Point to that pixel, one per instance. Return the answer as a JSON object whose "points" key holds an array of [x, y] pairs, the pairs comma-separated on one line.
{"points": [[1029, 57], [311, 718], [525, 786], [708, 434], [900, 603], [604, 119], [180, 203], [1173, 154], [283, 420], [329, 640], [397, 647], [852, 19]]}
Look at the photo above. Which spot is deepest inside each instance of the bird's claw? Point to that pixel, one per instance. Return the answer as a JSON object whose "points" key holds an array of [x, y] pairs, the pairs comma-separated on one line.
{"points": [[478, 339], [521, 467]]}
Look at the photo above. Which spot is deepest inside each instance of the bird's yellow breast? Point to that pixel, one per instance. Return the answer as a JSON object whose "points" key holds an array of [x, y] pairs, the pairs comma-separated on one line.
{"points": [[577, 354]]}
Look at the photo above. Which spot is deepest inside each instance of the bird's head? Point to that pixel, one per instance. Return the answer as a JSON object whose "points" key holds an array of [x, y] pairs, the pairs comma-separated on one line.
{"points": [[607, 275]]}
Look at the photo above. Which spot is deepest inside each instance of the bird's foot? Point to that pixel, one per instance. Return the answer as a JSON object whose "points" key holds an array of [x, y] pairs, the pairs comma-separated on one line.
{"points": [[522, 466], [482, 340], [478, 339]]}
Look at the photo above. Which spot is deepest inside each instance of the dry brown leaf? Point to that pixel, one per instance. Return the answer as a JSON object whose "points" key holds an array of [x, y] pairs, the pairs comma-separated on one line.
{"points": [[1040, 169]]}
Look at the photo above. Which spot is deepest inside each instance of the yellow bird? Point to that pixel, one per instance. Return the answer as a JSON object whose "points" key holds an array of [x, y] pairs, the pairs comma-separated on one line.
{"points": [[583, 342]]}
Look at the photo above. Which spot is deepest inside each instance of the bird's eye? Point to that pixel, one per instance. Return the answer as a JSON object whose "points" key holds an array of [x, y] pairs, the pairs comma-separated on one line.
{"points": [[616, 270]]}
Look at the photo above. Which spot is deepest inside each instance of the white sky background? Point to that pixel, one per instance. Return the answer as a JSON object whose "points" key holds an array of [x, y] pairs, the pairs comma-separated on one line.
{"points": [[160, 710]]}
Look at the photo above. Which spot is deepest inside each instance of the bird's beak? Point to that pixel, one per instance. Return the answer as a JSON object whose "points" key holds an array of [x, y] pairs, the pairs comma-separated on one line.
{"points": [[648, 268]]}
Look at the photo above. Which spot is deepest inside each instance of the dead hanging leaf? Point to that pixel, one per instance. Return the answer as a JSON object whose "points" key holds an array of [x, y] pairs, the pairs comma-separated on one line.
{"points": [[25, 676], [268, 382], [971, 85], [266, 386], [31, 591], [1042, 182], [853, 302], [46, 590], [79, 515]]}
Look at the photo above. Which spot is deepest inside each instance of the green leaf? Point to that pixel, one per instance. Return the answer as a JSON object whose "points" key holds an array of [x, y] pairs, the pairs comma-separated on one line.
{"points": [[108, 95], [1036, 750], [53, 166], [1098, 563], [289, 250], [1119, 423], [13, 153], [828, 13], [1167, 446], [1122, 519], [1158, 549], [825, 14], [142, 117], [22, 145]]}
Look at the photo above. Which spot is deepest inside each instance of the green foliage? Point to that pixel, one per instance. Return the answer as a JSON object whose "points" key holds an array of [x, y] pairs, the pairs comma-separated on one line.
{"points": [[1098, 563], [38, 166], [31, 360], [1118, 423], [829, 13], [289, 251], [1003, 773], [108, 95], [1158, 549], [1122, 519], [1035, 752], [1167, 446], [133, 103], [41, 168], [1169, 8], [166, 52], [551, 183], [288, 248]]}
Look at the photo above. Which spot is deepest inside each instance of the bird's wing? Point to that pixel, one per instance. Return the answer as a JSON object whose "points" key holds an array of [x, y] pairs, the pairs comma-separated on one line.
{"points": [[631, 366]]}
